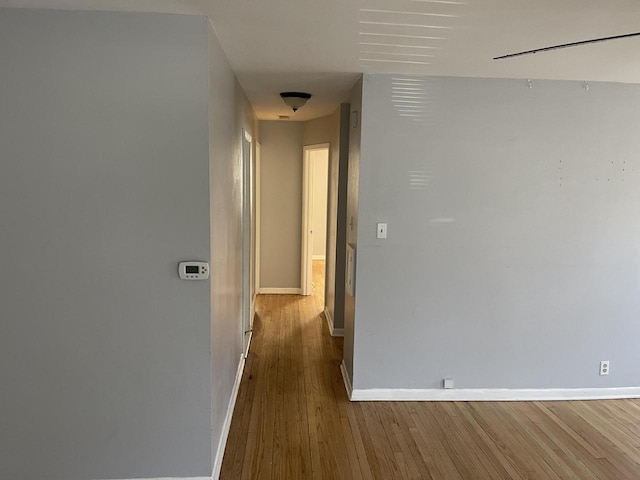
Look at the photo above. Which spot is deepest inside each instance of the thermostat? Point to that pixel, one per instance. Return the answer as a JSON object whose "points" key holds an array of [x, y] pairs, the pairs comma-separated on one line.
{"points": [[193, 270]]}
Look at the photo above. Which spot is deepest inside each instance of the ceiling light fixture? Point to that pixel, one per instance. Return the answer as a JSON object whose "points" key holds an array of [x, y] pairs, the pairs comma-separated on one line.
{"points": [[295, 100]]}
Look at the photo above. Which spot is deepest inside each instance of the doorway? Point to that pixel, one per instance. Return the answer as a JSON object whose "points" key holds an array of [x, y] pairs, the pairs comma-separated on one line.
{"points": [[248, 240], [315, 187]]}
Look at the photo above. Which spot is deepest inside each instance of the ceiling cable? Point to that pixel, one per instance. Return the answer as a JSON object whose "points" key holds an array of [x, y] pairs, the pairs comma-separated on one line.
{"points": [[567, 45]]}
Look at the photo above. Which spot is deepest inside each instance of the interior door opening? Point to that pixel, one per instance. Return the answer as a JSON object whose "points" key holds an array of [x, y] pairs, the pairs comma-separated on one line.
{"points": [[248, 240], [314, 222]]}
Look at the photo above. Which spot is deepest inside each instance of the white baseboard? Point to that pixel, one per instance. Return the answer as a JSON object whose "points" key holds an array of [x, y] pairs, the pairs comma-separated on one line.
{"points": [[346, 379], [167, 478], [226, 426], [335, 332], [318, 257], [249, 344], [280, 291], [489, 394]]}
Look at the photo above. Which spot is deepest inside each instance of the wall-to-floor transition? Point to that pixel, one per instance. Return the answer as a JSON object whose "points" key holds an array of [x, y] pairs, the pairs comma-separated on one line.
{"points": [[230, 114], [512, 256], [113, 171]]}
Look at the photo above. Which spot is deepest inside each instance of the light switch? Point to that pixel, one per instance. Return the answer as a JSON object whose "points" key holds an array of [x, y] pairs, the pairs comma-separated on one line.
{"points": [[382, 230]]}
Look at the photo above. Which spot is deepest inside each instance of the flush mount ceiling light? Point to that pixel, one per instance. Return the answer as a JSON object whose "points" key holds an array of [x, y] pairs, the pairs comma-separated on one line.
{"points": [[295, 99]]}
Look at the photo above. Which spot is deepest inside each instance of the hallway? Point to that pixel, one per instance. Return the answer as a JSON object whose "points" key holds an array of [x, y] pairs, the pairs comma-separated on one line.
{"points": [[290, 412], [293, 420]]}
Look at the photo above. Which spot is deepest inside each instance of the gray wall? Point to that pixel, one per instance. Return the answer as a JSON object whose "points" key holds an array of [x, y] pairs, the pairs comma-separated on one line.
{"points": [[340, 185], [104, 352], [512, 254], [280, 204], [230, 112], [351, 221]]}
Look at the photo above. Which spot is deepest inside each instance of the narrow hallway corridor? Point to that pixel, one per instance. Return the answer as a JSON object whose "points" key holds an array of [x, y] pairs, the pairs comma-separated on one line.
{"points": [[291, 419]]}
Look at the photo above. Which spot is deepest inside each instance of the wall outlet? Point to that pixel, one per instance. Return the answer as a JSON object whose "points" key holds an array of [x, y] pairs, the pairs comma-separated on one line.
{"points": [[604, 367], [447, 383]]}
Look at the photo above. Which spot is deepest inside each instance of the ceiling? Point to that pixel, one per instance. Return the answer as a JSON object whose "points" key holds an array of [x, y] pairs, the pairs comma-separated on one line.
{"points": [[321, 46]]}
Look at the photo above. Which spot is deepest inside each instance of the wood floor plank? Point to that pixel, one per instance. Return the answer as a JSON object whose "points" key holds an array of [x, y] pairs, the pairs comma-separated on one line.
{"points": [[493, 447], [436, 441], [293, 420], [473, 443], [363, 462]]}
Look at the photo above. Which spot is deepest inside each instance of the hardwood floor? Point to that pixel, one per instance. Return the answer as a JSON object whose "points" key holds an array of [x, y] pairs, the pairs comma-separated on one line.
{"points": [[293, 421]]}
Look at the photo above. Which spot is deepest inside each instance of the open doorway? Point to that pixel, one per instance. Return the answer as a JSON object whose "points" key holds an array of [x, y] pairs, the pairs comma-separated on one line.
{"points": [[315, 188], [248, 240]]}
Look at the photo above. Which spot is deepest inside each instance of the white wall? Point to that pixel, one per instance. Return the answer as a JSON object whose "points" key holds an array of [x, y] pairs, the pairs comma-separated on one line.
{"points": [[281, 204], [105, 366], [512, 256], [320, 164]]}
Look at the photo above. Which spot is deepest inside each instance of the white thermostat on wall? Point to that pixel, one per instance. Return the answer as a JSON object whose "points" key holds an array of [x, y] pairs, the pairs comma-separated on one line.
{"points": [[193, 270]]}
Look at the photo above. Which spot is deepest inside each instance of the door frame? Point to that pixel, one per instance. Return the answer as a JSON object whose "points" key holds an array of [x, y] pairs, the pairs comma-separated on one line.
{"points": [[247, 231], [257, 220], [306, 261]]}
